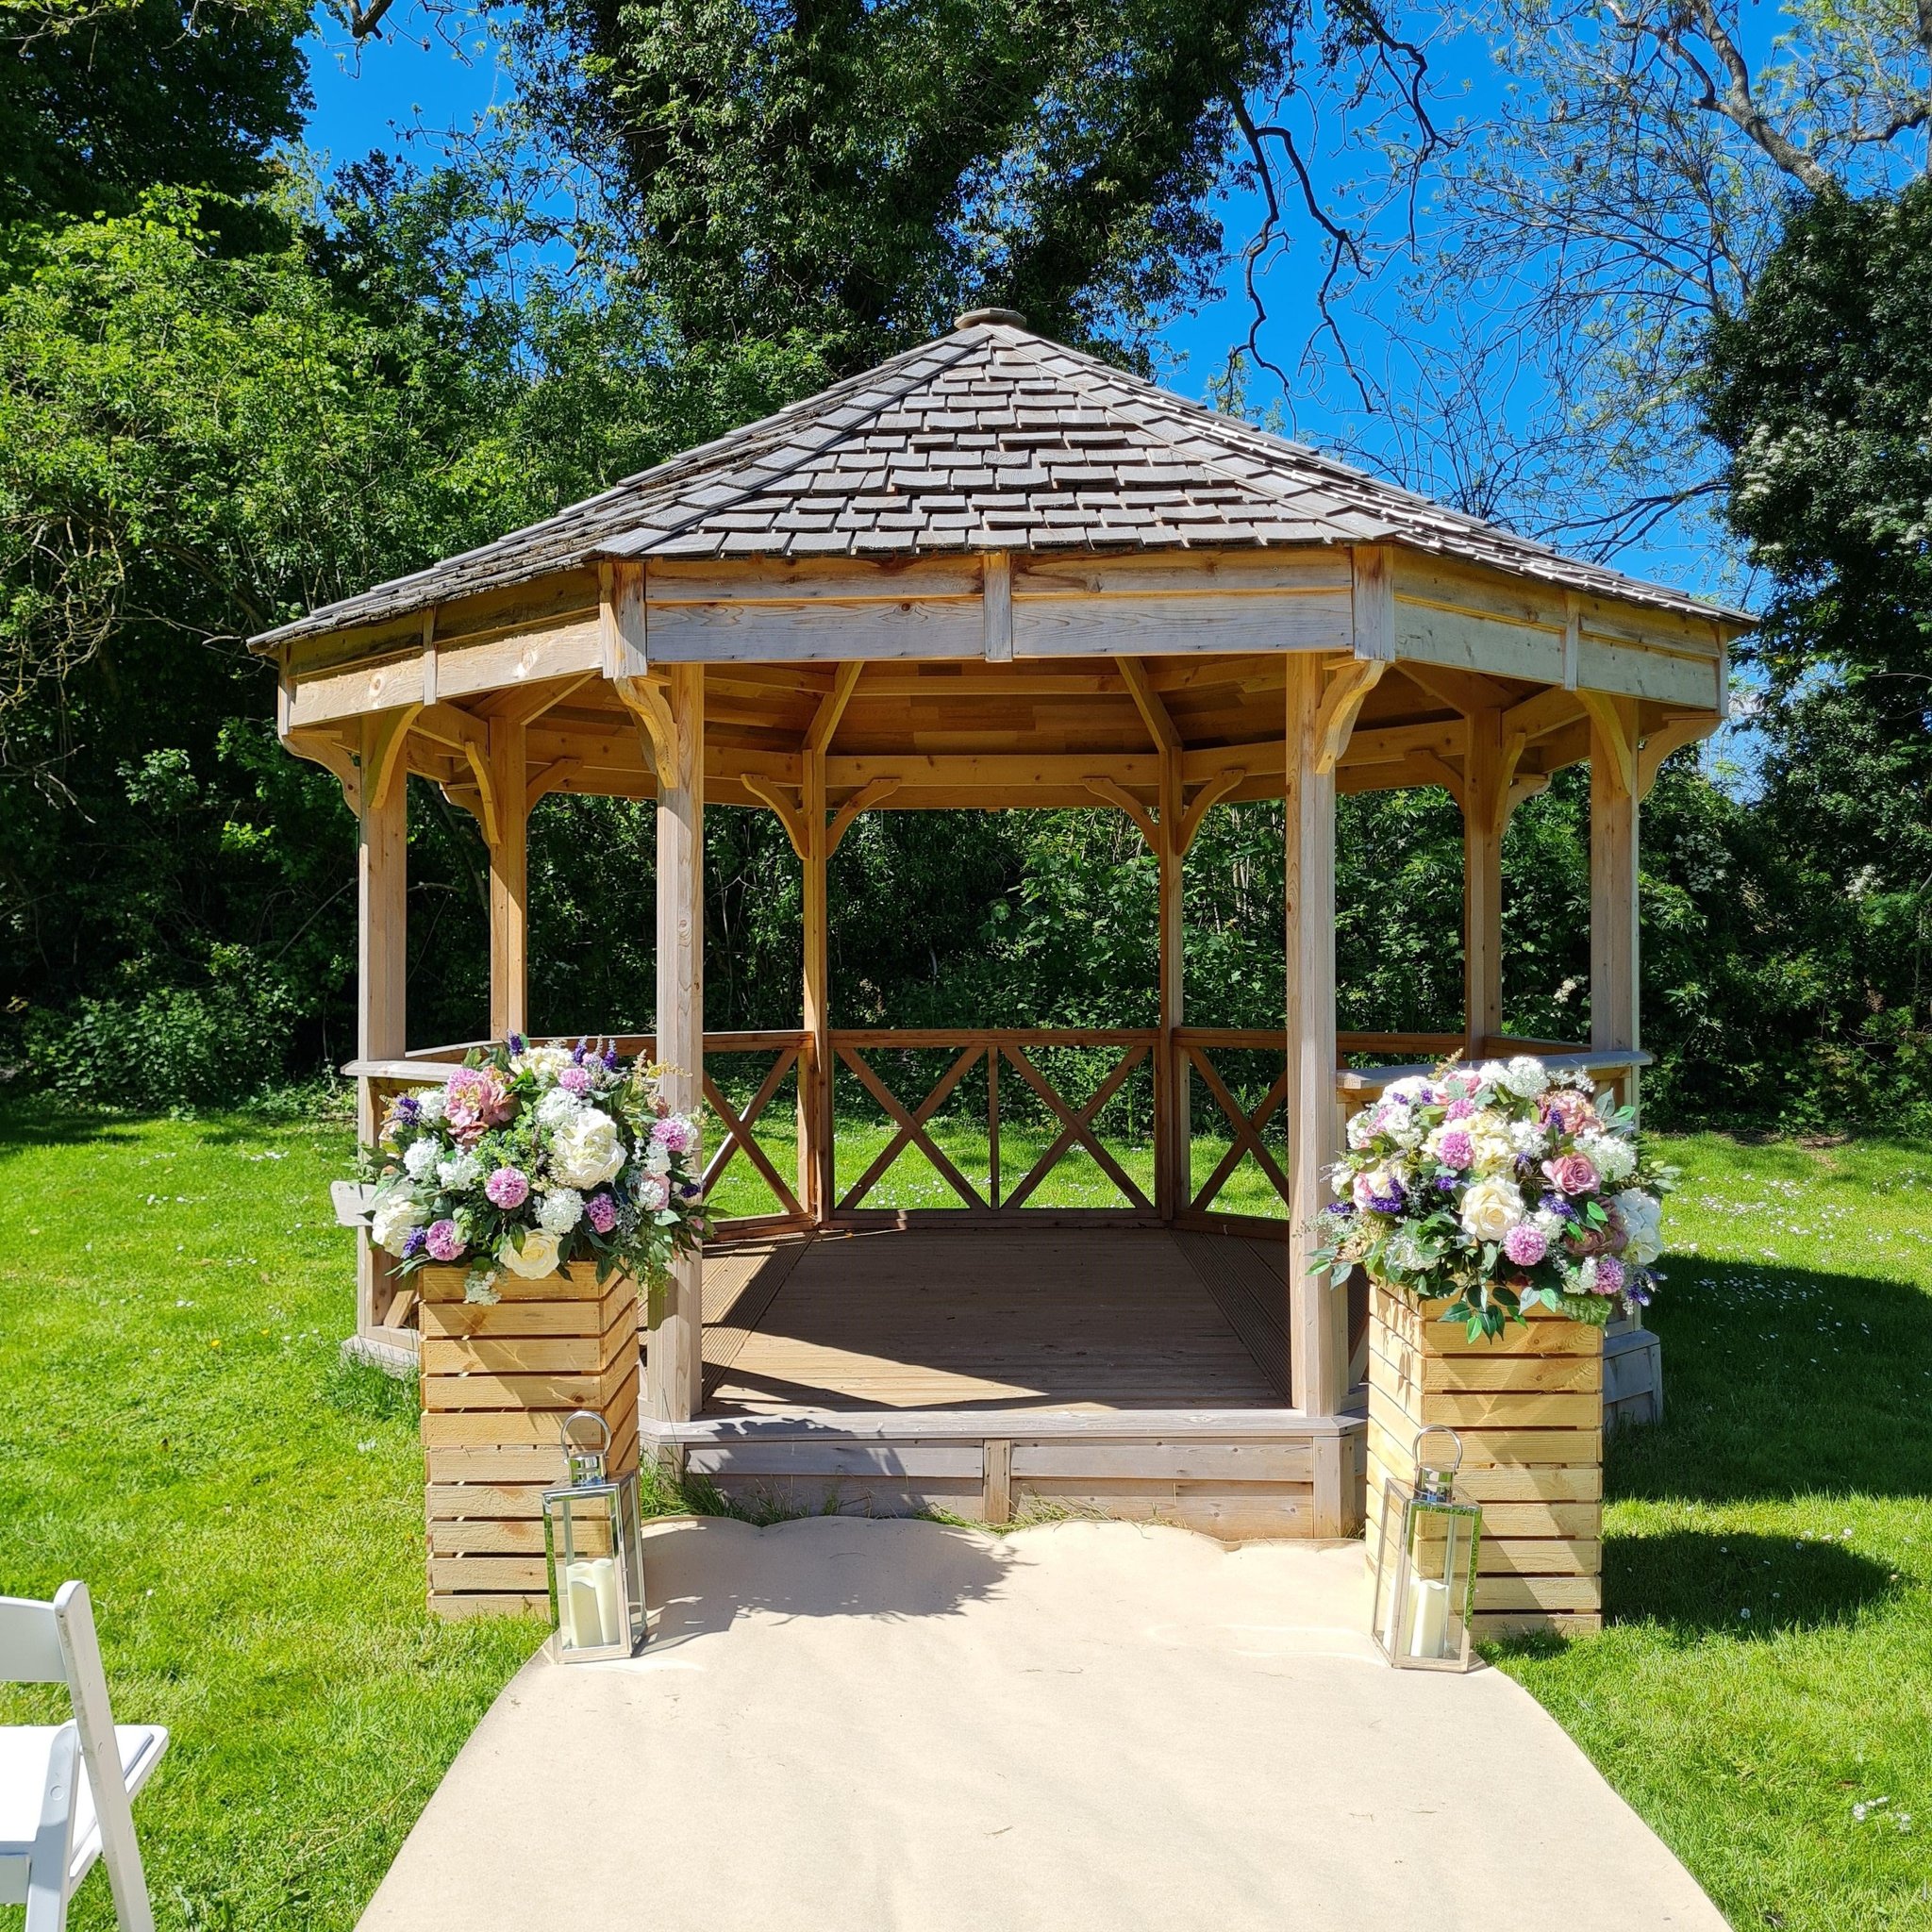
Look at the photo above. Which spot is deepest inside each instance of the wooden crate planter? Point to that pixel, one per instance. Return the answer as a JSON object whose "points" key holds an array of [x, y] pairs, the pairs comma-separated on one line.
{"points": [[497, 1380], [1530, 1410]]}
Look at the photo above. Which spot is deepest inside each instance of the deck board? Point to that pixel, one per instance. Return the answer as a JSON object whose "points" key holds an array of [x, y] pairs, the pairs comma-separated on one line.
{"points": [[1069, 1320]]}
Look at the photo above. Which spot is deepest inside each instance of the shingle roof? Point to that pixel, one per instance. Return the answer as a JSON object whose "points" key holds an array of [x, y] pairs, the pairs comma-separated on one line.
{"points": [[987, 439]]}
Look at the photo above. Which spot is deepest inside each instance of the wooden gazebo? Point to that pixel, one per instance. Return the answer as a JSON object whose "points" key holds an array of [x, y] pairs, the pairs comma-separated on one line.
{"points": [[995, 572]]}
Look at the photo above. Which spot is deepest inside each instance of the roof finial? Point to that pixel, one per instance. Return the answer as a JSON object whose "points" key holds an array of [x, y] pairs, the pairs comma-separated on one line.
{"points": [[1011, 317]]}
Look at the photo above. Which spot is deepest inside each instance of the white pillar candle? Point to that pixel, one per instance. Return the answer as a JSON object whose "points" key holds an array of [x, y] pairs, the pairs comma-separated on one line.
{"points": [[581, 1604], [1429, 1631]]}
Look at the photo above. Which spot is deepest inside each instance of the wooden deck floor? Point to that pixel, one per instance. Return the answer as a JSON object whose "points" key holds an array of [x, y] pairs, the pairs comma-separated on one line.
{"points": [[1063, 1319]]}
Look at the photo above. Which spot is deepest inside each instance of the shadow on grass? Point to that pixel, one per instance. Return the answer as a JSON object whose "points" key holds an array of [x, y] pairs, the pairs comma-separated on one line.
{"points": [[1783, 1382], [31, 1122], [1749, 1584]]}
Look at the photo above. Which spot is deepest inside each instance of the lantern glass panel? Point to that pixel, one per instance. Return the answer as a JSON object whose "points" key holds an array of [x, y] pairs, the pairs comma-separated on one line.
{"points": [[1426, 1565], [596, 1569]]}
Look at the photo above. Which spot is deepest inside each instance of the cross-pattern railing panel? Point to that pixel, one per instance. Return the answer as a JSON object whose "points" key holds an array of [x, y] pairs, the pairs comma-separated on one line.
{"points": [[994, 1060], [1246, 1122]]}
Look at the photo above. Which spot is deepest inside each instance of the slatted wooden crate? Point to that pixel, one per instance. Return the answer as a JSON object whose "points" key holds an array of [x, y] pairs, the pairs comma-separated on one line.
{"points": [[1530, 1410], [497, 1380]]}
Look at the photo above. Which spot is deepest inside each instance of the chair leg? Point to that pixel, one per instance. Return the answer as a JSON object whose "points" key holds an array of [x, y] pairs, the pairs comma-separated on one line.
{"points": [[46, 1878]]}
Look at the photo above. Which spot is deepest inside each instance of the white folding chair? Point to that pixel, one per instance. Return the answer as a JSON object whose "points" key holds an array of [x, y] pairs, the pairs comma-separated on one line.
{"points": [[65, 1790]]}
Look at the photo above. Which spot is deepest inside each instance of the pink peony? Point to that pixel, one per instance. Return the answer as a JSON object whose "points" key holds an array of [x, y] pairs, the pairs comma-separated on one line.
{"points": [[444, 1242], [1609, 1275], [600, 1210], [477, 1102], [1525, 1244], [653, 1191], [675, 1133], [1571, 1174], [575, 1080], [507, 1188], [1456, 1149]]}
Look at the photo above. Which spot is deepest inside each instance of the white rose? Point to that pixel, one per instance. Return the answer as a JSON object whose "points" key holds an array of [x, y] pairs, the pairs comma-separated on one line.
{"points": [[1490, 1209], [587, 1150], [544, 1061], [396, 1213], [1525, 1078], [459, 1172], [1642, 1218], [534, 1260], [421, 1158], [560, 1211]]}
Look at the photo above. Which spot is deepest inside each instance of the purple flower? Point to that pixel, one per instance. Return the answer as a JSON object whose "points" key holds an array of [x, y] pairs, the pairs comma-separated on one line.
{"points": [[1338, 1208], [1446, 1183], [1609, 1275], [444, 1242], [406, 1109], [1525, 1245], [507, 1188], [412, 1243], [1556, 1204], [516, 1042], [1456, 1149], [610, 1059], [577, 1052], [600, 1210]]}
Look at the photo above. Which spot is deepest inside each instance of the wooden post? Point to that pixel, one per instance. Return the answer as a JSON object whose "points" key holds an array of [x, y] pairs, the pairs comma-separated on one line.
{"points": [[673, 1384], [509, 880], [1318, 1313], [382, 874], [1485, 813], [1173, 1154], [1613, 810], [817, 1187], [497, 1380]]}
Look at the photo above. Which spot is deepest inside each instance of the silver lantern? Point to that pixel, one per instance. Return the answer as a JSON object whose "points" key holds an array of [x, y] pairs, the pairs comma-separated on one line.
{"points": [[595, 1555], [1425, 1567]]}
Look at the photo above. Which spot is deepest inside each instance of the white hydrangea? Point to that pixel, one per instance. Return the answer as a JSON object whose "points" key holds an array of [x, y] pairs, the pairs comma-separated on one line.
{"points": [[1528, 1137], [420, 1158], [1613, 1158], [432, 1103], [545, 1061], [1525, 1079], [1399, 1122], [1642, 1217], [656, 1158], [1362, 1129], [556, 1107], [396, 1213], [1409, 1090], [461, 1171], [560, 1210], [1548, 1224]]}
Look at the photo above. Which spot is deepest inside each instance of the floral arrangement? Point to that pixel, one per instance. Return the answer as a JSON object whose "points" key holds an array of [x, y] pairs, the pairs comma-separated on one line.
{"points": [[1499, 1188], [530, 1157]]}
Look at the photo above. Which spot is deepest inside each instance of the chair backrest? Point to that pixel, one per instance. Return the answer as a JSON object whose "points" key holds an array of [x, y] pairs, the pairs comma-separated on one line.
{"points": [[30, 1649], [53, 1643]]}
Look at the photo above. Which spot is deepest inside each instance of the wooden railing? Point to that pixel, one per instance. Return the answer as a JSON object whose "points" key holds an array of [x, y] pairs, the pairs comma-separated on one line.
{"points": [[992, 1049]]}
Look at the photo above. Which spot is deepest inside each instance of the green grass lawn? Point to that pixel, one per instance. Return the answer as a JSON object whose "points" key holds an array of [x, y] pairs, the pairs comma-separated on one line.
{"points": [[176, 1427]]}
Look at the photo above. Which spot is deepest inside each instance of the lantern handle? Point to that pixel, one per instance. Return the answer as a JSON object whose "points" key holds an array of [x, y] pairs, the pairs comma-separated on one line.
{"points": [[1431, 1478], [585, 1415]]}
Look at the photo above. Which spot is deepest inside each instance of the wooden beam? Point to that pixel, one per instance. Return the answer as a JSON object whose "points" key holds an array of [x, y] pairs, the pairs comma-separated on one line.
{"points": [[1154, 714], [1573, 638], [1174, 1146], [551, 777], [825, 722], [1374, 600], [1612, 739], [1468, 691], [1318, 1312], [623, 620], [1486, 792], [816, 1180], [509, 913], [452, 727], [996, 594], [674, 1380], [526, 704]]}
